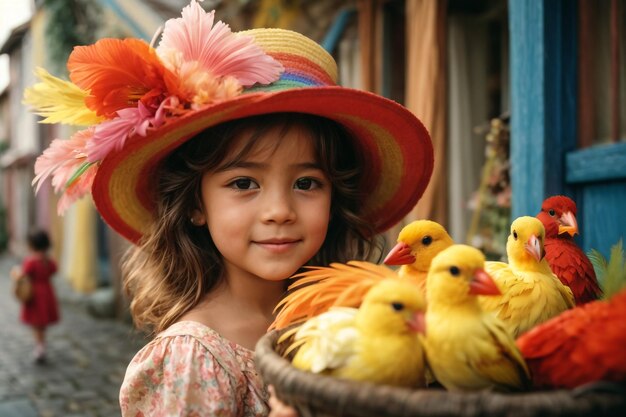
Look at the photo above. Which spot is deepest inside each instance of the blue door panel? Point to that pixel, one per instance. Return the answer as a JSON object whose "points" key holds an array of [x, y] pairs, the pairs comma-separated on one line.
{"points": [[602, 217], [543, 42], [598, 163], [598, 174]]}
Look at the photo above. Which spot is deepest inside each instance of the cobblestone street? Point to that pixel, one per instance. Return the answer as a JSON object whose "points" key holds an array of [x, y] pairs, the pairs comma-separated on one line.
{"points": [[87, 358]]}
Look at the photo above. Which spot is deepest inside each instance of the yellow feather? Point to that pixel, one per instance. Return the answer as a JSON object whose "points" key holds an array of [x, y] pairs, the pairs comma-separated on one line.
{"points": [[59, 101], [325, 342]]}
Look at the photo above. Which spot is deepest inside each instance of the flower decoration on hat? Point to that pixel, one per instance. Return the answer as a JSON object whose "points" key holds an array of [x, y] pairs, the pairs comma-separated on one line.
{"points": [[122, 88]]}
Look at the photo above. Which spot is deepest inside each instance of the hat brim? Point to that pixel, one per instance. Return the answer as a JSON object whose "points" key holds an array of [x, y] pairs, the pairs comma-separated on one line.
{"points": [[396, 147]]}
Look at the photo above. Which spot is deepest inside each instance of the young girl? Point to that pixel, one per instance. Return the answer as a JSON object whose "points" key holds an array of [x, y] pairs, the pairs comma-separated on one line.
{"points": [[42, 309], [231, 161], [242, 206]]}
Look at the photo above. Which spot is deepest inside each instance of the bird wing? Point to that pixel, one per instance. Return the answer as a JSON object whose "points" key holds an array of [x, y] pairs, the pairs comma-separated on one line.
{"points": [[527, 297], [319, 288], [573, 348], [570, 264], [548, 347], [327, 341], [567, 294], [501, 362]]}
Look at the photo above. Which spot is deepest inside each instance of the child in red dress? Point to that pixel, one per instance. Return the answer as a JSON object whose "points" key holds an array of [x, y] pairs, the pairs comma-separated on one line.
{"points": [[42, 309]]}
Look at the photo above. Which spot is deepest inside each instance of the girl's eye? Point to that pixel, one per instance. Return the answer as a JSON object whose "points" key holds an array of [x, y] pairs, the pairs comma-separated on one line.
{"points": [[551, 212], [243, 184], [306, 184]]}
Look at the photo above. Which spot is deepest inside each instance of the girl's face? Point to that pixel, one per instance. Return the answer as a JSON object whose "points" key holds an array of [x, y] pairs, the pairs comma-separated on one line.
{"points": [[268, 213]]}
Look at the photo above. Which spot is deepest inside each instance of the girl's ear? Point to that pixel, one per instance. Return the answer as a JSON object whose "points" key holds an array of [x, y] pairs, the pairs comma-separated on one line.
{"points": [[197, 218]]}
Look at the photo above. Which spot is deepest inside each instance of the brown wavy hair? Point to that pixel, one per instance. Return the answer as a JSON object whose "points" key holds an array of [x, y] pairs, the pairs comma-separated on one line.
{"points": [[177, 263]]}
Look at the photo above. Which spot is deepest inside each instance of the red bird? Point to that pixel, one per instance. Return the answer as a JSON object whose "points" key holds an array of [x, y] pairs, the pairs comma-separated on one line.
{"points": [[580, 345], [568, 262]]}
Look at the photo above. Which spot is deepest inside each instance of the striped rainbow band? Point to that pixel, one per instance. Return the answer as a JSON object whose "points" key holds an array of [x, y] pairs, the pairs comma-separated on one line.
{"points": [[306, 63], [393, 143]]}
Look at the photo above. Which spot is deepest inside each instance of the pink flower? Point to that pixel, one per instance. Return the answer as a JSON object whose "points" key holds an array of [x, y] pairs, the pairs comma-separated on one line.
{"points": [[66, 162], [194, 48], [112, 134], [62, 159]]}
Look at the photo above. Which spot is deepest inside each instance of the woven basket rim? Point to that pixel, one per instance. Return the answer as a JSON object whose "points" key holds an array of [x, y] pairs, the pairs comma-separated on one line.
{"points": [[343, 397]]}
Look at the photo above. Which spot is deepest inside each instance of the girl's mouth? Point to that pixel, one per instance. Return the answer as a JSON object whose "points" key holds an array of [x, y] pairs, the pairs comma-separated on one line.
{"points": [[277, 245]]}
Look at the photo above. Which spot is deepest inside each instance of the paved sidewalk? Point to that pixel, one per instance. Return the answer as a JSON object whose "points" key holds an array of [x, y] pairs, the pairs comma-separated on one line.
{"points": [[87, 358]]}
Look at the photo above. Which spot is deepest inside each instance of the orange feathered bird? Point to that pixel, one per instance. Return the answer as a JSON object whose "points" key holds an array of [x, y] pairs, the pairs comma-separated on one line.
{"points": [[584, 344], [568, 262], [321, 287]]}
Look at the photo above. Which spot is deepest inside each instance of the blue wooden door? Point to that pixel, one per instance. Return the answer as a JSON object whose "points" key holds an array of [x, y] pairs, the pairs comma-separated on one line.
{"points": [[544, 155]]}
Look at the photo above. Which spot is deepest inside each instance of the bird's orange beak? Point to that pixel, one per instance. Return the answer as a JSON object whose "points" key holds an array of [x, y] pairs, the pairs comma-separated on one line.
{"points": [[533, 247], [483, 284], [400, 255], [568, 224], [417, 322]]}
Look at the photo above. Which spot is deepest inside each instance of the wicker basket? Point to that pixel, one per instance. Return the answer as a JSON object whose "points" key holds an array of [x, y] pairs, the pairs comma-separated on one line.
{"points": [[318, 395]]}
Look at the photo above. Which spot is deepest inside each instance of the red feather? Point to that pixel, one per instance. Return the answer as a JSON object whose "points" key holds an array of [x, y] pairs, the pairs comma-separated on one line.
{"points": [[581, 345], [568, 262]]}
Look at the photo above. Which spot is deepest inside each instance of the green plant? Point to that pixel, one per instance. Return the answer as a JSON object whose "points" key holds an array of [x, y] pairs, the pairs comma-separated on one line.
{"points": [[611, 274]]}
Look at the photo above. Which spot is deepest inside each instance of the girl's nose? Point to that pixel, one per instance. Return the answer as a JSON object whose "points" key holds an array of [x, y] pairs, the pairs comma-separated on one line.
{"points": [[278, 208]]}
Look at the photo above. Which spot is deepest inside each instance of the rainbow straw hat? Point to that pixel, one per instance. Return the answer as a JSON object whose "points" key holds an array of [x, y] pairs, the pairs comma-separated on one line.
{"points": [[140, 103]]}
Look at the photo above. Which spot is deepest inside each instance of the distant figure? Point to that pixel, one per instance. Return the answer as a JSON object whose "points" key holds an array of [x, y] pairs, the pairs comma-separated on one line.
{"points": [[42, 309]]}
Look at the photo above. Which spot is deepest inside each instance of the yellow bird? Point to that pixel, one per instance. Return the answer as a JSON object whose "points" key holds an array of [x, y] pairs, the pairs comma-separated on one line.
{"points": [[467, 348], [377, 342], [418, 243], [531, 293]]}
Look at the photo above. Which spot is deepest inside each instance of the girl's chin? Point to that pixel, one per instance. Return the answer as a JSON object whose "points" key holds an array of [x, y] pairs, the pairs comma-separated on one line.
{"points": [[274, 277]]}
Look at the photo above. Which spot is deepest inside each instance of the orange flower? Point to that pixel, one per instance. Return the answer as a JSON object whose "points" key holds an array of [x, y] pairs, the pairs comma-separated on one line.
{"points": [[119, 73]]}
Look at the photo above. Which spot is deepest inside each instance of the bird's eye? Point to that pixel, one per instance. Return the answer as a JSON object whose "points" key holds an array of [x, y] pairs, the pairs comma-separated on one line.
{"points": [[455, 271], [514, 235], [427, 240], [397, 306], [551, 212]]}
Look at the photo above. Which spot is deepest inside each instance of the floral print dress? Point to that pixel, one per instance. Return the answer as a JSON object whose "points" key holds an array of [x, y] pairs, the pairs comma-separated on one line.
{"points": [[190, 370]]}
